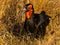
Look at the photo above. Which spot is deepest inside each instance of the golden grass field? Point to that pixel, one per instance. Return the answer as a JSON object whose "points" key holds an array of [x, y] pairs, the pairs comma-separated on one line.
{"points": [[11, 8]]}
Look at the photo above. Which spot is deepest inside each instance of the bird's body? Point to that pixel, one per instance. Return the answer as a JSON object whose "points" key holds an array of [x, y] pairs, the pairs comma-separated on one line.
{"points": [[36, 23]]}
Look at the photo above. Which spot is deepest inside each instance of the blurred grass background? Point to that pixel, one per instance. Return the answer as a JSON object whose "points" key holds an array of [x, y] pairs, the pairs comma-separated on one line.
{"points": [[9, 15]]}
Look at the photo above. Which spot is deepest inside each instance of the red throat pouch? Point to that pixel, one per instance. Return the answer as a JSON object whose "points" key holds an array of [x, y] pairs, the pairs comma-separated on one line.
{"points": [[28, 14]]}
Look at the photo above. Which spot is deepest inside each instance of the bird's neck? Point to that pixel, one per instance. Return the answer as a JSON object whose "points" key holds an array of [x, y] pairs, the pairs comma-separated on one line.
{"points": [[28, 14]]}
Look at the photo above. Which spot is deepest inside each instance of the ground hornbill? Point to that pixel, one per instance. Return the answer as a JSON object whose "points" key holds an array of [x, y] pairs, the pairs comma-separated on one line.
{"points": [[35, 24]]}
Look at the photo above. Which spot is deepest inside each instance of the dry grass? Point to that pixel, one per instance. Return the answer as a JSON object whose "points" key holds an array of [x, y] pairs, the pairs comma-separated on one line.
{"points": [[10, 9]]}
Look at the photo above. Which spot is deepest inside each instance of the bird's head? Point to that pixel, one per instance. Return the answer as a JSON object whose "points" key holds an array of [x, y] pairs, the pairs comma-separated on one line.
{"points": [[29, 10]]}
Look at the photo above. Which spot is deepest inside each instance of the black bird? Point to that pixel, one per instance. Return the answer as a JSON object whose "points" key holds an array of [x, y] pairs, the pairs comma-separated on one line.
{"points": [[35, 23]]}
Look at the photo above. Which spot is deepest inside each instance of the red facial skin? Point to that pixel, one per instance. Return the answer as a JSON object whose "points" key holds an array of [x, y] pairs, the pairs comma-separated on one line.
{"points": [[29, 13]]}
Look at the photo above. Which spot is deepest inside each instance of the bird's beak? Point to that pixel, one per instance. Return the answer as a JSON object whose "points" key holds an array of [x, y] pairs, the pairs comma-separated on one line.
{"points": [[24, 9]]}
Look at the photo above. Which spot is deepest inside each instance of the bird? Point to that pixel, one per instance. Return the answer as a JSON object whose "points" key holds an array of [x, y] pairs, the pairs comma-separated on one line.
{"points": [[35, 24]]}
